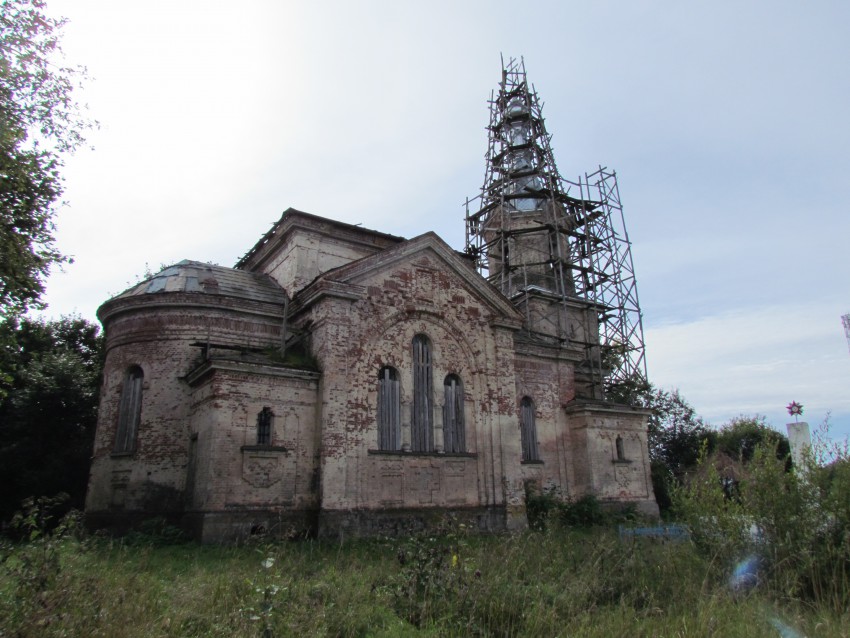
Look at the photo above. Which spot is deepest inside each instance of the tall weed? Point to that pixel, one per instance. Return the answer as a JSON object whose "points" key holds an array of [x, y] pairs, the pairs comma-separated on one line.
{"points": [[792, 523]]}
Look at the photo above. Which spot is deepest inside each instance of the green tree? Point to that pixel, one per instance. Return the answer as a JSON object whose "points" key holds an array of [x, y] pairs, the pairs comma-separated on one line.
{"points": [[740, 437], [676, 432], [794, 521], [40, 123], [49, 412]]}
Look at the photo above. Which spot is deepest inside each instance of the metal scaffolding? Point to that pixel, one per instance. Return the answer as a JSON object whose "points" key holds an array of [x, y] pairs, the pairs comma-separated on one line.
{"points": [[845, 321], [535, 234]]}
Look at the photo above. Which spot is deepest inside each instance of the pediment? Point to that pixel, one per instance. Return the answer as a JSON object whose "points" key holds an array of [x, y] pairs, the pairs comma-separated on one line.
{"points": [[425, 251]]}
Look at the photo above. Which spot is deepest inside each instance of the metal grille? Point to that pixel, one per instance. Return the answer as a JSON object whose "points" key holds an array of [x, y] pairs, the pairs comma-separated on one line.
{"points": [[422, 426], [389, 410], [454, 436]]}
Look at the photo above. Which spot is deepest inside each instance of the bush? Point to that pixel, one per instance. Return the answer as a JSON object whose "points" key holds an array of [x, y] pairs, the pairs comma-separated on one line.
{"points": [[434, 578], [540, 506], [158, 532], [586, 511], [794, 522]]}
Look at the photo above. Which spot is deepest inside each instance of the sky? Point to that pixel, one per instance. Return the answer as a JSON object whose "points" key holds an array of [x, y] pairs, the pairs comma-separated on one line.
{"points": [[726, 123]]}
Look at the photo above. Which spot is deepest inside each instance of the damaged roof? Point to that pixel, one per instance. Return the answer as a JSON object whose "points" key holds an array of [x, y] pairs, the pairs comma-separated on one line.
{"points": [[194, 276]]}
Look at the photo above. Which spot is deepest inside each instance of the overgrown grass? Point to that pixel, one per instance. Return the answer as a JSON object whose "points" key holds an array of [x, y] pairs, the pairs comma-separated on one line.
{"points": [[557, 582]]}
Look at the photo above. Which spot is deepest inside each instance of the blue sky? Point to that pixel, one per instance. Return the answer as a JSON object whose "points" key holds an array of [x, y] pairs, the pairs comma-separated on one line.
{"points": [[725, 121]]}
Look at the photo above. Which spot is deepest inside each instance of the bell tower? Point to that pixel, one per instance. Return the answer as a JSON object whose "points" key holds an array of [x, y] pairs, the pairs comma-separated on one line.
{"points": [[557, 249]]}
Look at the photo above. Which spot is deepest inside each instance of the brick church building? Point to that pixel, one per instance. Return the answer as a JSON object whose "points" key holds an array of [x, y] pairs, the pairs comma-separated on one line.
{"points": [[342, 381]]}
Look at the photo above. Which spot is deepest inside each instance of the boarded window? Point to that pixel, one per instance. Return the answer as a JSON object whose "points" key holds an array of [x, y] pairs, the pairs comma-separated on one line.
{"points": [[264, 427], [454, 436], [389, 410], [528, 430], [129, 411], [422, 421]]}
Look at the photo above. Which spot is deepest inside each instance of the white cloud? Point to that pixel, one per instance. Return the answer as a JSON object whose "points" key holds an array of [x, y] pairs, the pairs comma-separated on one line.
{"points": [[757, 361]]}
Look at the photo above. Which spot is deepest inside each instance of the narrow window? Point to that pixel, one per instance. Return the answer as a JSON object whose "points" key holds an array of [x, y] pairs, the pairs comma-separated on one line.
{"points": [[264, 427], [454, 437], [528, 430], [129, 411], [621, 454], [389, 410], [422, 423]]}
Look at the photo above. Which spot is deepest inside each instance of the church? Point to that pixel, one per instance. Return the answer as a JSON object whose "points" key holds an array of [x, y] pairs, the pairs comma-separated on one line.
{"points": [[340, 381]]}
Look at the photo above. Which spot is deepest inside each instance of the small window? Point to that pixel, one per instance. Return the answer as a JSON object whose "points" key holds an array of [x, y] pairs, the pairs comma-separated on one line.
{"points": [[422, 422], [621, 454], [264, 427], [528, 430], [129, 411], [454, 437], [389, 409]]}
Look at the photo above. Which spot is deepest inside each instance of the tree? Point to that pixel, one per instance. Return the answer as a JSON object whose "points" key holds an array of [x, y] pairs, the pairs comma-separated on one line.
{"points": [[792, 522], [741, 437], [49, 412], [676, 432], [676, 436], [40, 123]]}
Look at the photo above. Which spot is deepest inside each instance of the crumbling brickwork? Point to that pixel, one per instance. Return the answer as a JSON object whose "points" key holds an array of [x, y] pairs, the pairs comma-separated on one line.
{"points": [[260, 394]]}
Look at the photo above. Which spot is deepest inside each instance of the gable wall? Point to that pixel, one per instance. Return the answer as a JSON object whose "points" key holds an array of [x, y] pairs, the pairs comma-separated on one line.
{"points": [[355, 339], [305, 254]]}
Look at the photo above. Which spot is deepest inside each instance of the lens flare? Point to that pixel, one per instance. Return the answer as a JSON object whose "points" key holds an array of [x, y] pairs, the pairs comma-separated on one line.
{"points": [[745, 575], [784, 630]]}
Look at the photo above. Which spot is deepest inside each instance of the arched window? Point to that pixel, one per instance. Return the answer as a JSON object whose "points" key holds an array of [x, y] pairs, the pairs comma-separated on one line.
{"points": [[621, 453], [422, 421], [528, 430], [454, 436], [264, 427], [129, 411], [389, 409]]}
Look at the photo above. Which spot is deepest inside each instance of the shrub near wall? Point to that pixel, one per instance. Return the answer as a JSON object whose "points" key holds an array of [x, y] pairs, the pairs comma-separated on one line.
{"points": [[791, 525]]}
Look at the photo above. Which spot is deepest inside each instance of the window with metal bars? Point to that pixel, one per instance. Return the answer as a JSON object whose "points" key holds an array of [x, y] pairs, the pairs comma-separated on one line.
{"points": [[129, 411], [454, 436], [389, 409], [264, 427], [528, 430], [422, 421]]}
